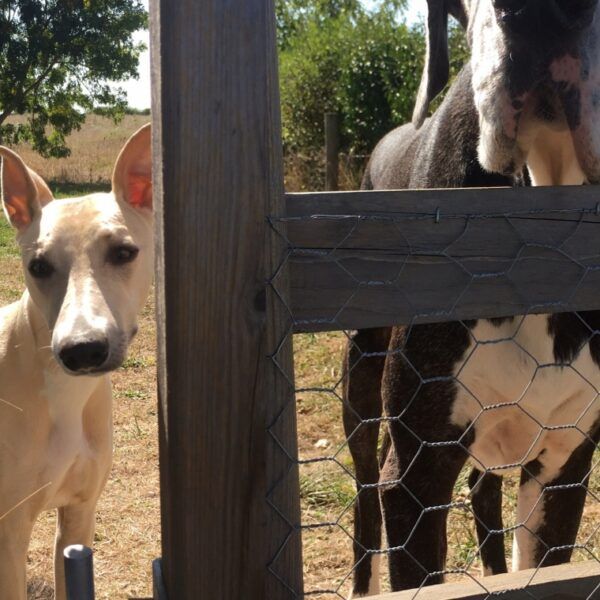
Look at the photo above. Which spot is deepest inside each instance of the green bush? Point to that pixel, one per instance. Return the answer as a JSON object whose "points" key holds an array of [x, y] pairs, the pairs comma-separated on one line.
{"points": [[379, 80], [366, 67]]}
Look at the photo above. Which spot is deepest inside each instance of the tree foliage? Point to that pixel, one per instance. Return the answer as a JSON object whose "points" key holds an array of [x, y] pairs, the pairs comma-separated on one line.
{"points": [[293, 16], [364, 65], [56, 59]]}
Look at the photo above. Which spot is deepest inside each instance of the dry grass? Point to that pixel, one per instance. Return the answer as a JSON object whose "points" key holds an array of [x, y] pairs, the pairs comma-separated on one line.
{"points": [[306, 172], [93, 151], [128, 526]]}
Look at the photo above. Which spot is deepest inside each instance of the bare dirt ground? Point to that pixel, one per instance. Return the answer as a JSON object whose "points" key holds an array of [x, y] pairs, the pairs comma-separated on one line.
{"points": [[128, 522]]}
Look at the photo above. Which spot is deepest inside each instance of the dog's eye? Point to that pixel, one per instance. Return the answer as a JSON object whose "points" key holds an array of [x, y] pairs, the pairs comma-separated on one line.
{"points": [[40, 268], [121, 255]]}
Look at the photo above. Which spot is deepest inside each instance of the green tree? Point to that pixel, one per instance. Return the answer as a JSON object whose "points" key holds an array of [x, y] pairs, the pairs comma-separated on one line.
{"points": [[56, 59], [294, 16]]}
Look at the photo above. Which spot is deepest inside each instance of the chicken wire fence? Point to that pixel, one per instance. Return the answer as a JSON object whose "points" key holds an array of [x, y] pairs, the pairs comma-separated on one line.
{"points": [[483, 430]]}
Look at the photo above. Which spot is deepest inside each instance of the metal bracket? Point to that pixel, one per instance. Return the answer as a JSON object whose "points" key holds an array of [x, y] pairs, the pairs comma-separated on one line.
{"points": [[79, 572], [160, 592]]}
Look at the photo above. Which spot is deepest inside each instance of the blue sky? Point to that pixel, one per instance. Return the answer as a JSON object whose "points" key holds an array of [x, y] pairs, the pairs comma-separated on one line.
{"points": [[138, 90]]}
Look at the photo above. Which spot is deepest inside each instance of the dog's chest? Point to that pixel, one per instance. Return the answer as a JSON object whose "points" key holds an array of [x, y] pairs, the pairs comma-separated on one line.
{"points": [[50, 442], [518, 400], [74, 458]]}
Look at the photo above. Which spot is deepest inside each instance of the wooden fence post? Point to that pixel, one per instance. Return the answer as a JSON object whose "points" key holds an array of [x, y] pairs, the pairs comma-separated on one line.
{"points": [[332, 151], [217, 176]]}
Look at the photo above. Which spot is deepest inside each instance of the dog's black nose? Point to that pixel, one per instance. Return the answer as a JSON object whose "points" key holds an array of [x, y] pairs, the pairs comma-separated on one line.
{"points": [[545, 16], [513, 5], [569, 7], [573, 7], [574, 14], [84, 356]]}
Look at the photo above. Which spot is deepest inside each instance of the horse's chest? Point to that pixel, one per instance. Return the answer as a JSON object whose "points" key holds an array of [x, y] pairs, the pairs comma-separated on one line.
{"points": [[517, 400]]}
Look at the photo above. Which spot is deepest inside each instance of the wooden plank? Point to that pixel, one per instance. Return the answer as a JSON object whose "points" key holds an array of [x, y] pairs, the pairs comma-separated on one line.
{"points": [[229, 490], [575, 580], [449, 201], [371, 259]]}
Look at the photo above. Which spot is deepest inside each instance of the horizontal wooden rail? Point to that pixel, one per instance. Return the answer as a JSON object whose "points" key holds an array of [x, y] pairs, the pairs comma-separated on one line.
{"points": [[565, 582], [380, 258]]}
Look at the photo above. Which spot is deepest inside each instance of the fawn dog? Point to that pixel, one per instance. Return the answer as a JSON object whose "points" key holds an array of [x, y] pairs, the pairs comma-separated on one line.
{"points": [[88, 268]]}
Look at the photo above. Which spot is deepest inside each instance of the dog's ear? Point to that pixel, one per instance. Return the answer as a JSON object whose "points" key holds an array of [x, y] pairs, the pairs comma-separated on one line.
{"points": [[132, 177], [44, 195], [24, 192], [437, 63]]}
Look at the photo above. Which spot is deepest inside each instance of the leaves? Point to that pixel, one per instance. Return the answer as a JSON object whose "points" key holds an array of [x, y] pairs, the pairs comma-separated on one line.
{"points": [[364, 65], [56, 59]]}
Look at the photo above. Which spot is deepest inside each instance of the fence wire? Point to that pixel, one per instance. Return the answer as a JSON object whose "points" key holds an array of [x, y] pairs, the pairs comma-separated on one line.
{"points": [[471, 430]]}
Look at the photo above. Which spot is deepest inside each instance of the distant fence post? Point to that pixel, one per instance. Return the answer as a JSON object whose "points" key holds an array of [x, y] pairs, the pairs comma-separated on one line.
{"points": [[332, 151], [229, 481]]}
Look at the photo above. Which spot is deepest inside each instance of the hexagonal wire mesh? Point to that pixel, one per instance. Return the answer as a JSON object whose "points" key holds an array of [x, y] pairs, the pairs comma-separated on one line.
{"points": [[490, 425]]}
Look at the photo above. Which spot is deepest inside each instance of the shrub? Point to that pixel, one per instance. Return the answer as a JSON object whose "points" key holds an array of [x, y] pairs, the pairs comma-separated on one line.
{"points": [[366, 67]]}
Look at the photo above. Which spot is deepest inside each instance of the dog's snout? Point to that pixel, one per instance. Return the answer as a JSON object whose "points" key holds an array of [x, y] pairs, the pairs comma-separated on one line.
{"points": [[84, 356]]}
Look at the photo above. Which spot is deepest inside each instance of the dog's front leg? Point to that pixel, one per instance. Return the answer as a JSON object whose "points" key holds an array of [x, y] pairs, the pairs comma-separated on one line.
{"points": [[416, 490], [550, 505], [75, 525], [15, 532], [486, 501], [364, 361]]}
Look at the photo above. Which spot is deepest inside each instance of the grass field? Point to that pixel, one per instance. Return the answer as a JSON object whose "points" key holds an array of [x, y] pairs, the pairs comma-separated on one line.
{"points": [[127, 537], [93, 152]]}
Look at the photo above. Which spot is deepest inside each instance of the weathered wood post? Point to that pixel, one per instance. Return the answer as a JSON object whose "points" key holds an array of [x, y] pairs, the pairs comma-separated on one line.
{"points": [[332, 151], [217, 176]]}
